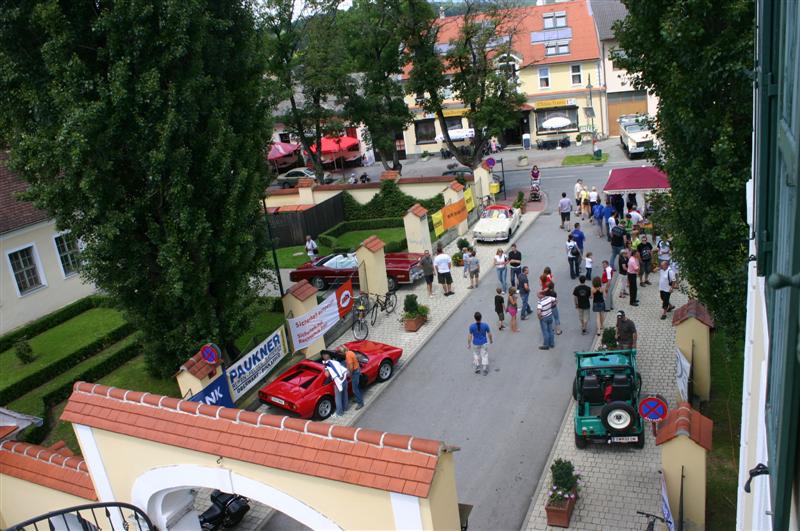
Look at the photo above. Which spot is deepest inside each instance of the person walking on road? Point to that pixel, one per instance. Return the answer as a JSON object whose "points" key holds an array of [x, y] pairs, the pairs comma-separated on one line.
{"points": [[666, 283], [633, 277], [443, 263], [499, 308], [514, 263], [564, 208], [500, 263], [466, 253], [578, 236], [626, 332], [598, 303], [544, 311], [524, 293], [573, 257], [474, 269], [588, 264], [338, 373], [582, 293], [478, 340], [578, 189], [512, 306], [427, 270], [354, 367]]}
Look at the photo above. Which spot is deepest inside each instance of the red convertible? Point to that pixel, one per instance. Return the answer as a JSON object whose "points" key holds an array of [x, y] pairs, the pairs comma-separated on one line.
{"points": [[401, 268], [304, 388]]}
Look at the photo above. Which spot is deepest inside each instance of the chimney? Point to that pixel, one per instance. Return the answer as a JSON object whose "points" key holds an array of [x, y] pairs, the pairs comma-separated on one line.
{"points": [[441, 11]]}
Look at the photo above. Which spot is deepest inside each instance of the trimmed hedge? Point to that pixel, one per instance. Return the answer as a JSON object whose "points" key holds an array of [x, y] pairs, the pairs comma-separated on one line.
{"points": [[396, 247], [56, 396], [30, 382], [390, 201], [328, 238], [50, 320]]}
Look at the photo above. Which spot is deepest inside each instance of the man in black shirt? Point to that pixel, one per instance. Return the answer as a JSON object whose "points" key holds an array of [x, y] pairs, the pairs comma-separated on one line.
{"points": [[626, 332], [582, 294], [617, 243], [515, 263], [525, 292]]}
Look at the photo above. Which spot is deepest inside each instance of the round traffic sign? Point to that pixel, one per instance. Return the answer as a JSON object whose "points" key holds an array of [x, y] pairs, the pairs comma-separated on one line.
{"points": [[210, 353], [653, 408], [491, 162]]}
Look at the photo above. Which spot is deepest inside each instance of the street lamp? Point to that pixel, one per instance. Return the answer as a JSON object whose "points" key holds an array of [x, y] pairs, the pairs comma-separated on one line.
{"points": [[272, 245], [590, 108]]}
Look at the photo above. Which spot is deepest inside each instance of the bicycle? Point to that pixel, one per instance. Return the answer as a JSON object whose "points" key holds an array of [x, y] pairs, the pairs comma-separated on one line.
{"points": [[651, 520], [360, 327], [386, 303]]}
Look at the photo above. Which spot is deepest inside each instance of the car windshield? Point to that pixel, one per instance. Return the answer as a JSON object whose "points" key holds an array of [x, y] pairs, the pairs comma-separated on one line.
{"points": [[495, 214], [342, 261], [635, 128]]}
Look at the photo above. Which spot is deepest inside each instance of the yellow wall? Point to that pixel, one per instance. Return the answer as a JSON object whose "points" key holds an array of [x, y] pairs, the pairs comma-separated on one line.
{"points": [[21, 500], [440, 508], [18, 310], [693, 338], [683, 451], [282, 200]]}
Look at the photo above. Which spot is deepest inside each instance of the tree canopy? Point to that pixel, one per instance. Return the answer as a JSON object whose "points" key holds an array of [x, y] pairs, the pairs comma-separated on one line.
{"points": [[141, 127], [697, 56]]}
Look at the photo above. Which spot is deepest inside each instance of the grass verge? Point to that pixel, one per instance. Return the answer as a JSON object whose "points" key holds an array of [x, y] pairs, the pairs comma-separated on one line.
{"points": [[295, 256], [264, 323], [579, 160], [354, 238], [724, 408]]}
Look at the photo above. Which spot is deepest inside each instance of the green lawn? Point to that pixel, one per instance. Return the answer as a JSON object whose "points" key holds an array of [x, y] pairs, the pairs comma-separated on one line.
{"points": [[354, 238], [724, 409], [292, 257], [264, 323], [59, 342], [578, 160]]}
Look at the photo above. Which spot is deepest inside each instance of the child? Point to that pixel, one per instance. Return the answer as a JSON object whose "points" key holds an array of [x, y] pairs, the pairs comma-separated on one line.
{"points": [[511, 307], [588, 264], [498, 307]]}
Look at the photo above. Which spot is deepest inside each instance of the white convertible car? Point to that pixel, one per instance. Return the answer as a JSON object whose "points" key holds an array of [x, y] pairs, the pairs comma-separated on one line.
{"points": [[498, 222]]}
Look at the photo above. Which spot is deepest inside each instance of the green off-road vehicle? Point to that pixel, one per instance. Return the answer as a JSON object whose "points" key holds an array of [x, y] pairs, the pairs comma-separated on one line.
{"points": [[606, 388]]}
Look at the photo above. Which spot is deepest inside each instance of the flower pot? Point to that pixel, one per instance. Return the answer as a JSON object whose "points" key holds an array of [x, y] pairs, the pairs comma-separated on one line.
{"points": [[522, 161], [560, 512], [412, 325], [578, 142]]}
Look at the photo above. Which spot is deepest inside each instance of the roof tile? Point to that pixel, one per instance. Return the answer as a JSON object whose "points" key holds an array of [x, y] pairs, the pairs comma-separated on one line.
{"points": [[693, 309], [42, 466], [373, 243], [686, 421], [302, 290], [456, 186], [418, 210], [14, 212]]}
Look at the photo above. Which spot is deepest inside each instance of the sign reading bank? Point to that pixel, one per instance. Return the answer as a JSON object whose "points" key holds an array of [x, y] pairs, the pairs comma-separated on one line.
{"points": [[251, 368]]}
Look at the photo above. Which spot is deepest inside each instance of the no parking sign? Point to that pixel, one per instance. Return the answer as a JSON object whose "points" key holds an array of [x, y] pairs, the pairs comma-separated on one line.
{"points": [[653, 408]]}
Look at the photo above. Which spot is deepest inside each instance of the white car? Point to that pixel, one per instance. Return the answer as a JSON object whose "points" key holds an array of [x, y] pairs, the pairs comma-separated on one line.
{"points": [[635, 136], [498, 222]]}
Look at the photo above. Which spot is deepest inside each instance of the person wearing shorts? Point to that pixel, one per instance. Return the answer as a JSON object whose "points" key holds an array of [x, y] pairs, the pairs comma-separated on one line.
{"points": [[564, 208], [598, 303], [474, 269], [443, 263], [427, 270]]}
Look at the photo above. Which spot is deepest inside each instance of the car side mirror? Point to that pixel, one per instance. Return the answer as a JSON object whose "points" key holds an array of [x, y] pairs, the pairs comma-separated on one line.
{"points": [[327, 380]]}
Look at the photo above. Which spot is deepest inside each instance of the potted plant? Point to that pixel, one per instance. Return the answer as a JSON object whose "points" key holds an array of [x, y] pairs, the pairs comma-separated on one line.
{"points": [[609, 339], [520, 202], [578, 139], [414, 314], [462, 244], [522, 160], [563, 495], [425, 156]]}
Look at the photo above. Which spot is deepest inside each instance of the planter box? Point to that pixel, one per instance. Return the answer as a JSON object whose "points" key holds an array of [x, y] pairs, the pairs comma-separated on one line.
{"points": [[412, 325], [521, 162], [558, 515]]}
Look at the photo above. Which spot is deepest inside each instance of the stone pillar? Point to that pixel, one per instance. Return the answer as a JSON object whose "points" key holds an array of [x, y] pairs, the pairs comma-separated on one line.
{"points": [[693, 326], [298, 300], [305, 187], [372, 267], [417, 234], [195, 375], [452, 194], [482, 179]]}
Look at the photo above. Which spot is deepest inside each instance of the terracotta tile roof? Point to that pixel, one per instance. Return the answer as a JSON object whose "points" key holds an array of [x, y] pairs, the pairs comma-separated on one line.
{"points": [[693, 308], [6, 431], [373, 243], [396, 463], [302, 290], [456, 186], [47, 468], [15, 214], [418, 210], [347, 186], [198, 367], [686, 421], [282, 191], [431, 179]]}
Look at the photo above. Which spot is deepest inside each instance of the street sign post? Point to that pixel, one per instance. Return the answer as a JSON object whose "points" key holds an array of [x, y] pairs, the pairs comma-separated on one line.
{"points": [[653, 409], [211, 353]]}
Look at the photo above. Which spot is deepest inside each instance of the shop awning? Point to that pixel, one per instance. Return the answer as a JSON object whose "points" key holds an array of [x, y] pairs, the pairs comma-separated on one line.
{"points": [[282, 149], [336, 144], [636, 180]]}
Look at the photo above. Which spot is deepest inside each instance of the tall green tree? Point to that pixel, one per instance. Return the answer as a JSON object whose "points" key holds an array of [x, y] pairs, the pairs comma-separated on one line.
{"points": [[475, 68], [697, 56], [373, 94], [141, 126]]}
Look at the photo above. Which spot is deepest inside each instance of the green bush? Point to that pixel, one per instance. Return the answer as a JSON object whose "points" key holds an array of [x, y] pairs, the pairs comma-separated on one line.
{"points": [[33, 380], [330, 236], [390, 201], [396, 247], [609, 338], [565, 480], [410, 304], [50, 320], [462, 244], [458, 259], [24, 351]]}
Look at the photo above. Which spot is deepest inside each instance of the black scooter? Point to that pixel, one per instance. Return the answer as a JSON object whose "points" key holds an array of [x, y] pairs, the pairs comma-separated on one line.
{"points": [[226, 511]]}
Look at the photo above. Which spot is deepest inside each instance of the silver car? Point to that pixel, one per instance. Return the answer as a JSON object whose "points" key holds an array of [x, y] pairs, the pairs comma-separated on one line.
{"points": [[292, 177]]}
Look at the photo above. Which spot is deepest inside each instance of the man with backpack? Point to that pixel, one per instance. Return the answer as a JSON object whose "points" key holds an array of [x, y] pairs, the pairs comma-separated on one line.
{"points": [[666, 283], [617, 242], [573, 257]]}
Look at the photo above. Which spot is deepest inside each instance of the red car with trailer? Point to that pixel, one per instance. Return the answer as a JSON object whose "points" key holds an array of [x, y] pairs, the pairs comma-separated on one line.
{"points": [[401, 268], [306, 390]]}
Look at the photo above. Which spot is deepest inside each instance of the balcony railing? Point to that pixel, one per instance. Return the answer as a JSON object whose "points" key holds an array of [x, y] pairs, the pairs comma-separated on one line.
{"points": [[116, 516]]}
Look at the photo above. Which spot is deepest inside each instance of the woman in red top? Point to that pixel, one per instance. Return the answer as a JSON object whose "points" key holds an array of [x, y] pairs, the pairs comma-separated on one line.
{"points": [[547, 282]]}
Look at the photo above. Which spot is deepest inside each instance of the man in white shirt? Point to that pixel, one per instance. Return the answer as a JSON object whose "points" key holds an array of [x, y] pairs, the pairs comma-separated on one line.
{"points": [[338, 373], [666, 283], [311, 247], [442, 263], [636, 217]]}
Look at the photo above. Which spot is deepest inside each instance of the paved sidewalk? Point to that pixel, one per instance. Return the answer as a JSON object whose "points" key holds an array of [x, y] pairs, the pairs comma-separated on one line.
{"points": [[618, 481]]}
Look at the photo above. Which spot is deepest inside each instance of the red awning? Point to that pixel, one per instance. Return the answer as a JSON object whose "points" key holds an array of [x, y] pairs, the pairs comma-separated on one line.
{"points": [[632, 180], [336, 144], [282, 149]]}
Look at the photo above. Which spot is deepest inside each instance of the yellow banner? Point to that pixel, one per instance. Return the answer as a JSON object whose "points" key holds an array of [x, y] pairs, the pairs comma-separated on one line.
{"points": [[550, 104], [438, 223], [468, 199], [454, 112]]}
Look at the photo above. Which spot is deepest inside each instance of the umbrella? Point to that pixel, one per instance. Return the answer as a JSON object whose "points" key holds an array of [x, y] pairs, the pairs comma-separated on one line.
{"points": [[281, 149], [337, 144], [557, 122]]}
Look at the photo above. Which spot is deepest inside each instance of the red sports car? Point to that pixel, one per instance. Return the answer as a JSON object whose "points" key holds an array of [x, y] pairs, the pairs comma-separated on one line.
{"points": [[401, 268], [306, 390]]}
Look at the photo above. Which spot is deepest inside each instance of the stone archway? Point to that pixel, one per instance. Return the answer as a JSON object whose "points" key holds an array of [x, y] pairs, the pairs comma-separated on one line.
{"points": [[163, 494]]}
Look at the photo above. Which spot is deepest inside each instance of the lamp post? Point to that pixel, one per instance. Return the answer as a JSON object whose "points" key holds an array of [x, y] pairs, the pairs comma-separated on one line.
{"points": [[591, 105], [272, 245]]}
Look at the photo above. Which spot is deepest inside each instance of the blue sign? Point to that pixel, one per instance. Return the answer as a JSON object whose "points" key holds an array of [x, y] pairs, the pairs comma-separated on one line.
{"points": [[254, 366], [491, 162], [210, 353], [653, 409], [217, 393]]}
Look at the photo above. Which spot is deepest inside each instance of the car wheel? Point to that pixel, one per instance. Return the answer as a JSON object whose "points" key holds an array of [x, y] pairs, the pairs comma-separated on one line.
{"points": [[575, 388], [617, 417], [580, 442], [285, 185], [325, 407], [392, 282], [385, 371], [640, 441], [508, 235], [318, 282]]}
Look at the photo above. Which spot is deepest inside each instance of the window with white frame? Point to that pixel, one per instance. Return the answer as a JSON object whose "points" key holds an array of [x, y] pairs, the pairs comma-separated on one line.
{"points": [[556, 48], [544, 78], [25, 269], [68, 253], [557, 19], [575, 71]]}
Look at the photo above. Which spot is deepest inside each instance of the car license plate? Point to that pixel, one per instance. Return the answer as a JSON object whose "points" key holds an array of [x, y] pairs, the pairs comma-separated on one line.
{"points": [[624, 439], [283, 402]]}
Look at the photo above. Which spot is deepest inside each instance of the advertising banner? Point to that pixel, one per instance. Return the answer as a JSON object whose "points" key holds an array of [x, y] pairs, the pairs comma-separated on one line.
{"points": [[312, 325], [251, 368], [217, 393], [454, 213], [682, 369], [438, 223], [469, 199]]}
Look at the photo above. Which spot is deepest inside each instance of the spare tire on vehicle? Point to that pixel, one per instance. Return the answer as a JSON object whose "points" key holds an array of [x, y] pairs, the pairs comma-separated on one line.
{"points": [[618, 417]]}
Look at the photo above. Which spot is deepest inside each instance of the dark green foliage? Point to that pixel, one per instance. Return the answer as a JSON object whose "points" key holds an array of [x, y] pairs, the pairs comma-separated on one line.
{"points": [[389, 202], [50, 320], [24, 351], [565, 480], [697, 57], [328, 238], [462, 244], [396, 247], [141, 127], [609, 338], [33, 380], [410, 304], [519, 202]]}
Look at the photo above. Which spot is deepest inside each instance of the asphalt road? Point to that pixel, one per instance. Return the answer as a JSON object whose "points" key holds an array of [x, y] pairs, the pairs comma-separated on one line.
{"points": [[506, 422]]}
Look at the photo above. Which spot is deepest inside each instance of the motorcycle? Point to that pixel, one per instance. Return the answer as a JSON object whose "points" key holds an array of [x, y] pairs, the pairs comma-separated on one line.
{"points": [[226, 511]]}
